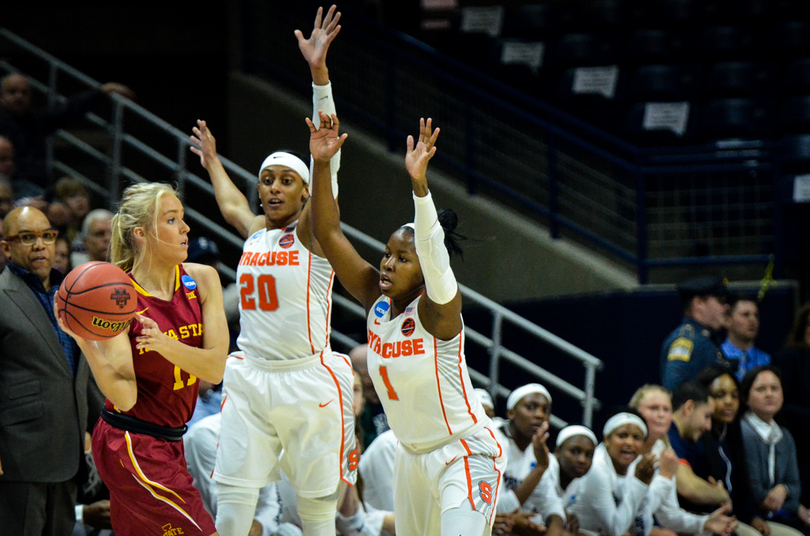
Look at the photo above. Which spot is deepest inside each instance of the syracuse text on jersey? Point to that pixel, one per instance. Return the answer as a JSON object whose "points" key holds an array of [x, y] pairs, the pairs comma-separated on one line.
{"points": [[270, 258], [395, 349]]}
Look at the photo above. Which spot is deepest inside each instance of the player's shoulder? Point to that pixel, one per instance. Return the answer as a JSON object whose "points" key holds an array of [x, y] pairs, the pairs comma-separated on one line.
{"points": [[257, 225], [200, 275]]}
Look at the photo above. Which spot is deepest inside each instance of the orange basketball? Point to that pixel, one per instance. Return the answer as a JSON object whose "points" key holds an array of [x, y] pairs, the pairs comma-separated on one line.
{"points": [[97, 300]]}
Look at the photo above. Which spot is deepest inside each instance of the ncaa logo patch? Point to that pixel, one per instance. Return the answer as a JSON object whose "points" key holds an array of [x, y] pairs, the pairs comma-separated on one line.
{"points": [[408, 327], [381, 308], [188, 282], [287, 240]]}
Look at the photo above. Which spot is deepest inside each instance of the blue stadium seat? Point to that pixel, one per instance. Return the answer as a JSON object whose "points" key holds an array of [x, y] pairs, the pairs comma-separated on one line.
{"points": [[741, 79], [796, 153], [583, 49], [789, 39], [796, 77], [738, 118], [719, 43], [657, 46], [533, 21], [794, 115], [664, 83]]}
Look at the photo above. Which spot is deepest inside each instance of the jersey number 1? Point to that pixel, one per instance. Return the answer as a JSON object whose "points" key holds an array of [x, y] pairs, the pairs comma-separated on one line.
{"points": [[268, 299], [178, 379], [392, 395]]}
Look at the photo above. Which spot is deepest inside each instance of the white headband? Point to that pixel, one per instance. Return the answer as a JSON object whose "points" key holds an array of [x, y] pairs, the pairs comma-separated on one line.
{"points": [[281, 158], [527, 389], [621, 419], [574, 430], [484, 397]]}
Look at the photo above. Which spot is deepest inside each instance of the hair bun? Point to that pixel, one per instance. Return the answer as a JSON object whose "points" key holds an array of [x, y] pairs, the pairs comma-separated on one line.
{"points": [[448, 219]]}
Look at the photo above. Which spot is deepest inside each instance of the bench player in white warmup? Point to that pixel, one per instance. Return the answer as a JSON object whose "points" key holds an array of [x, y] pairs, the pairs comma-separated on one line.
{"points": [[448, 465], [288, 399]]}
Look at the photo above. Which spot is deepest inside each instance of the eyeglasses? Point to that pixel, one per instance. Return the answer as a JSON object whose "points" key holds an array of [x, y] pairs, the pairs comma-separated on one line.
{"points": [[30, 238]]}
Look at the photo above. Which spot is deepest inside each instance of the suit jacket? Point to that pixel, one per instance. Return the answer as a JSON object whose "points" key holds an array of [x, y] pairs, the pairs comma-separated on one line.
{"points": [[43, 408]]}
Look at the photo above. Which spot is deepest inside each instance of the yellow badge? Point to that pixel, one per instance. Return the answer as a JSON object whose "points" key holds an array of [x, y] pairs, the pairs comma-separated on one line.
{"points": [[680, 349]]}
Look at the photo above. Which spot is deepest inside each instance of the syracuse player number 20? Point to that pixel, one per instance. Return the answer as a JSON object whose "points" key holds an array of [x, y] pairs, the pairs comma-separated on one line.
{"points": [[266, 286]]}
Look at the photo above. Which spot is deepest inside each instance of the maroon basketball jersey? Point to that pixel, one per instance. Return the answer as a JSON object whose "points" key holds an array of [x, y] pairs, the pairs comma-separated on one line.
{"points": [[166, 393]]}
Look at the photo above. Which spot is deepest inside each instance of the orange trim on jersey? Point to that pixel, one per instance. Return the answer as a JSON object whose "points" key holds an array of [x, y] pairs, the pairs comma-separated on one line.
{"points": [[176, 277], [342, 424], [309, 282], [495, 466], [329, 307], [461, 376], [469, 480], [497, 485], [439, 386]]}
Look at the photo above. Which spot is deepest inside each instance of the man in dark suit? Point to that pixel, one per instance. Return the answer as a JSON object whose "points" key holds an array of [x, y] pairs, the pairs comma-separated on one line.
{"points": [[43, 387]]}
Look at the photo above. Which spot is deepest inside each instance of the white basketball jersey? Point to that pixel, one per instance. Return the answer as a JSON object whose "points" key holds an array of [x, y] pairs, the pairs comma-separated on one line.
{"points": [[285, 297], [423, 382]]}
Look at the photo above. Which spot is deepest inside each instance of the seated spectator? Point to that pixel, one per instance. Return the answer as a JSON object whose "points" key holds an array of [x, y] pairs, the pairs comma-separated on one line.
{"points": [[373, 420], [486, 401], [743, 327], [200, 444], [693, 345], [3, 258], [62, 259], [69, 209], [7, 167], [28, 129], [794, 362], [95, 238], [610, 496], [209, 402], [524, 438], [691, 418], [376, 468], [726, 456], [770, 451], [571, 460], [653, 402], [6, 195]]}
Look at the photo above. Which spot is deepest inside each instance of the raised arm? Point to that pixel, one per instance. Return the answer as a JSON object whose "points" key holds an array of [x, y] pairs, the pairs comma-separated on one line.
{"points": [[232, 202], [314, 50], [440, 313], [359, 277]]}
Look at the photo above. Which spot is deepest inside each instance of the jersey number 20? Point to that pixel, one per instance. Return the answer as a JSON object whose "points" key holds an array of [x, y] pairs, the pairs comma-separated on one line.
{"points": [[266, 286]]}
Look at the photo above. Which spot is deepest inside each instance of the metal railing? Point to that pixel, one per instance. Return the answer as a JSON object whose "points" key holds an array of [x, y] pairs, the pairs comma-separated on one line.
{"points": [[581, 181], [126, 157]]}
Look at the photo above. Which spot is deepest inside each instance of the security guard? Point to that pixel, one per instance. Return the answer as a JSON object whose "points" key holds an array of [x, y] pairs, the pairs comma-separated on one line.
{"points": [[692, 346]]}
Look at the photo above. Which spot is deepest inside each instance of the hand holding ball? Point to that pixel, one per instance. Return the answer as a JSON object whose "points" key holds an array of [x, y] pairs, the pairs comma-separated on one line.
{"points": [[97, 301]]}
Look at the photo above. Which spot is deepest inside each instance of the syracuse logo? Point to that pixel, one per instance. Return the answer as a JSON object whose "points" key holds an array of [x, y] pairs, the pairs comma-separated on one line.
{"points": [[286, 241], [408, 327]]}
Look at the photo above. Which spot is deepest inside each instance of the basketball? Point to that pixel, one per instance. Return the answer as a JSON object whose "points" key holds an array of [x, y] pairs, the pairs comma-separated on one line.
{"points": [[97, 300]]}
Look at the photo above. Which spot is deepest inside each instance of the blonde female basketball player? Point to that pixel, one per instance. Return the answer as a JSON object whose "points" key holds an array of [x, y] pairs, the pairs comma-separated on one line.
{"points": [[448, 464], [288, 399], [149, 373]]}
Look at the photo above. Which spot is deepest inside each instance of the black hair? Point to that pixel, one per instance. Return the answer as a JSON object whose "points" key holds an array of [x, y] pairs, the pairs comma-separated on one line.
{"points": [[751, 376], [449, 221], [689, 390], [734, 299], [714, 371]]}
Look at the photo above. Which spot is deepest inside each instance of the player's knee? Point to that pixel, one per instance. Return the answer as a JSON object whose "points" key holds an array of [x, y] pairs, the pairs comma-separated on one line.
{"points": [[317, 508], [227, 494]]}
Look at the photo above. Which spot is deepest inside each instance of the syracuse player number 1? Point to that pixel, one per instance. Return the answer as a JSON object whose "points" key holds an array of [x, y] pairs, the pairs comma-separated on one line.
{"points": [[392, 395], [266, 286]]}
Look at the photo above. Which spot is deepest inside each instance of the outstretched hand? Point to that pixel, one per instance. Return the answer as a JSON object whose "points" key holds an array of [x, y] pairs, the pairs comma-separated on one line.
{"points": [[323, 32], [417, 158], [205, 146], [326, 141]]}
